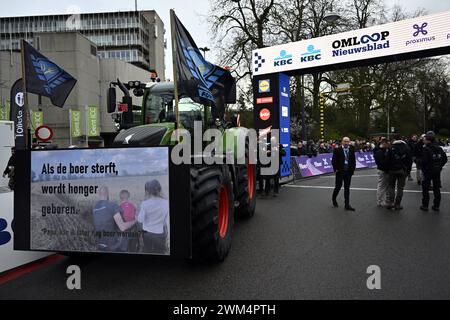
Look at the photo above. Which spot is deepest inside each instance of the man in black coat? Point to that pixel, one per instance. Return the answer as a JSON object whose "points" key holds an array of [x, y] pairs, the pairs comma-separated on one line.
{"points": [[399, 160], [381, 159], [433, 160], [344, 165]]}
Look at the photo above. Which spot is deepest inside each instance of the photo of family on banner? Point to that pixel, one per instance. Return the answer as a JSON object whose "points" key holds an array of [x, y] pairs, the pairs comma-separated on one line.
{"points": [[320, 165], [95, 200]]}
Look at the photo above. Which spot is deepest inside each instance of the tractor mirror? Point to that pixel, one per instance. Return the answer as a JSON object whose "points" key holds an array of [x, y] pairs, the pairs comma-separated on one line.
{"points": [[111, 100]]}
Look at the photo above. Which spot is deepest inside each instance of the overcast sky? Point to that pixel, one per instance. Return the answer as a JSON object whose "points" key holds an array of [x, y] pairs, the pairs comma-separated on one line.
{"points": [[191, 12]]}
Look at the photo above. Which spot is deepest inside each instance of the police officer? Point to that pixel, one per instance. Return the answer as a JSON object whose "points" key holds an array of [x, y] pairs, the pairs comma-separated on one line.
{"points": [[433, 160]]}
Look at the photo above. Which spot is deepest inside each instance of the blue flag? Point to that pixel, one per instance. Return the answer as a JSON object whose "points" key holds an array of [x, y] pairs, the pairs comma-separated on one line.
{"points": [[199, 79], [45, 78]]}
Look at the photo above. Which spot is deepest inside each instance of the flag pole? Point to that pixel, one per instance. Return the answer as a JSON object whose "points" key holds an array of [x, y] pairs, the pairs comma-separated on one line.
{"points": [[70, 128], [25, 97], [174, 62]]}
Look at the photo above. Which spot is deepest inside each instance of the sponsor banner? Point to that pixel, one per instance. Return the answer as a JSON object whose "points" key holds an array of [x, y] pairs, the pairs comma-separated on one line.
{"points": [[266, 100], [4, 111], [408, 36], [37, 120], [285, 124], [9, 258], [96, 200], [93, 121], [264, 114], [75, 123], [322, 164], [18, 114], [264, 86]]}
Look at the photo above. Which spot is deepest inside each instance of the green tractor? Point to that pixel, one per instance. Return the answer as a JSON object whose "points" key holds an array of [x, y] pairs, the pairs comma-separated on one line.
{"points": [[220, 193]]}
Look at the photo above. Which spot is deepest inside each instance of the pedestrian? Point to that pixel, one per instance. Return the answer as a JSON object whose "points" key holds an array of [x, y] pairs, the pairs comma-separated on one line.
{"points": [[418, 153], [311, 150], [381, 159], [274, 180], [433, 160], [412, 144], [301, 149], [399, 160], [323, 149], [344, 166], [9, 171]]}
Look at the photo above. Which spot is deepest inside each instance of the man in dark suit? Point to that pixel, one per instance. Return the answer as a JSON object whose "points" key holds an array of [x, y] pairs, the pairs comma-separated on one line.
{"points": [[344, 165]]}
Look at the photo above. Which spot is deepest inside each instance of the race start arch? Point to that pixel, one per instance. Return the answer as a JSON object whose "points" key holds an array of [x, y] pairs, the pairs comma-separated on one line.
{"points": [[408, 39]]}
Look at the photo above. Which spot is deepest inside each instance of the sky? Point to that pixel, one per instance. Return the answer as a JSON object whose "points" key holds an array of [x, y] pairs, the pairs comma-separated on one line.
{"points": [[192, 13]]}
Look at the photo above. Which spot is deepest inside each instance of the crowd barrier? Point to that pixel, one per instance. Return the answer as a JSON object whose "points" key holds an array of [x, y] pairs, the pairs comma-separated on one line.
{"points": [[305, 167]]}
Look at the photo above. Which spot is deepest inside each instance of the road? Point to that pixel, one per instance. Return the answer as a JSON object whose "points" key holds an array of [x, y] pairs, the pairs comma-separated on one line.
{"points": [[296, 247]]}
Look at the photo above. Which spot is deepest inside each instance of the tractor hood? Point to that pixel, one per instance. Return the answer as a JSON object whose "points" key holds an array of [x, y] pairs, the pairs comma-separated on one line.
{"points": [[144, 136]]}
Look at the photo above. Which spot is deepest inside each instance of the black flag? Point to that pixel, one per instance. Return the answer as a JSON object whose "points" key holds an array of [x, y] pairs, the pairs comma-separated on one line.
{"points": [[199, 79], [18, 115], [45, 78]]}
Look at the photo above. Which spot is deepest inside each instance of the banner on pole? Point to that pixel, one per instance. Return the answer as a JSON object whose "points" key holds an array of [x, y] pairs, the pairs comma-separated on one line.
{"points": [[18, 115], [5, 111], [37, 120], [75, 121], [93, 121]]}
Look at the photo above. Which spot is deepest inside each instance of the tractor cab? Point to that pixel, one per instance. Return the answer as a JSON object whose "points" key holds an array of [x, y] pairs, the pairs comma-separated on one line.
{"points": [[154, 123]]}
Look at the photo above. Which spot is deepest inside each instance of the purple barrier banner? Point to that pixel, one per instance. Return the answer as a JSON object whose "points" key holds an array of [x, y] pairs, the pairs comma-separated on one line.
{"points": [[316, 166]]}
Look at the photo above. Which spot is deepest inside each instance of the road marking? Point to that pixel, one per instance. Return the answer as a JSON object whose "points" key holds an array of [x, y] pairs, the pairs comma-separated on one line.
{"points": [[353, 189]]}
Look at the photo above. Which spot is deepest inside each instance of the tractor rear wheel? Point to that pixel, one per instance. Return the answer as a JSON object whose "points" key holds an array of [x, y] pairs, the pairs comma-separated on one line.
{"points": [[212, 212], [246, 188]]}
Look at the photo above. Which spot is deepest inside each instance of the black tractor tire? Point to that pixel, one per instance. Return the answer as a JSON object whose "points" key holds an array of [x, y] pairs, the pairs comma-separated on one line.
{"points": [[212, 212], [246, 188]]}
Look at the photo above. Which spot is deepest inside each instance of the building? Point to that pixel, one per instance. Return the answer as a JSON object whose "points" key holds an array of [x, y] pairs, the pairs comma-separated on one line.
{"points": [[137, 37], [77, 55]]}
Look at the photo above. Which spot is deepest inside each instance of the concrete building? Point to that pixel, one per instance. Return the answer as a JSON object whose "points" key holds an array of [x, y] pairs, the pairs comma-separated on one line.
{"points": [[137, 37], [76, 54]]}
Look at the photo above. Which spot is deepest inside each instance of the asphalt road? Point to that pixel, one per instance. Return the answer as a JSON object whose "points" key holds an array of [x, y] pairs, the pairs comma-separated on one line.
{"points": [[296, 247]]}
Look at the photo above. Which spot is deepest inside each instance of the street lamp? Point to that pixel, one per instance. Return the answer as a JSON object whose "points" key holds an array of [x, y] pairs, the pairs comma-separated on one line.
{"points": [[204, 50]]}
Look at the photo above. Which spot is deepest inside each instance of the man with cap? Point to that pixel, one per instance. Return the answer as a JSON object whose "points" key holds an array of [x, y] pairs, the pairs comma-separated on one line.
{"points": [[433, 160]]}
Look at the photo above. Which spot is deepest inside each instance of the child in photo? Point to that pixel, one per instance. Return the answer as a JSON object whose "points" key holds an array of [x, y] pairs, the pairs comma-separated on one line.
{"points": [[128, 210]]}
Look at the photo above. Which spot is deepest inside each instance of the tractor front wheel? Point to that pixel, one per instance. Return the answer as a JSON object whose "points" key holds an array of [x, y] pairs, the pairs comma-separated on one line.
{"points": [[212, 212]]}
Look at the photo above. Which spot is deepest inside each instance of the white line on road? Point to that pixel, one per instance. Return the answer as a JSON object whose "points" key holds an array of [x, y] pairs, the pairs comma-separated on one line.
{"points": [[353, 189]]}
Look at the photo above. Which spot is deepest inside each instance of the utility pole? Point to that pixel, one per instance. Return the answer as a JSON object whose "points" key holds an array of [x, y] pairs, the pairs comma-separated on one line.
{"points": [[136, 5]]}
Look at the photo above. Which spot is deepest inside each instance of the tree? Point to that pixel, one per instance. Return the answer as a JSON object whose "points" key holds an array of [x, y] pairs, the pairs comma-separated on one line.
{"points": [[240, 27]]}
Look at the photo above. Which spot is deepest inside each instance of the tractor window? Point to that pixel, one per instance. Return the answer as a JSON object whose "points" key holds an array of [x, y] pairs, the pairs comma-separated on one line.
{"points": [[190, 112], [161, 109], [155, 107]]}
